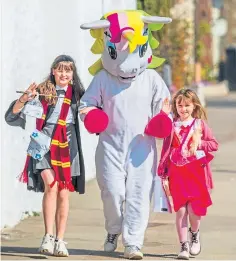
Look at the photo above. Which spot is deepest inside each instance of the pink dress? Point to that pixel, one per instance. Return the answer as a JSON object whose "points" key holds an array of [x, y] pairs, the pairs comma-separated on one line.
{"points": [[187, 182]]}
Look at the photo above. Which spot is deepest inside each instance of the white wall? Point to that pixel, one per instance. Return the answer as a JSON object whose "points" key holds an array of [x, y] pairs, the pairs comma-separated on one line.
{"points": [[33, 33]]}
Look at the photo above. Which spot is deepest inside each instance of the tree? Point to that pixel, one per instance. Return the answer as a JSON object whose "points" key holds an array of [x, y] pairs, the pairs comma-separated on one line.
{"points": [[173, 39], [182, 73], [160, 8]]}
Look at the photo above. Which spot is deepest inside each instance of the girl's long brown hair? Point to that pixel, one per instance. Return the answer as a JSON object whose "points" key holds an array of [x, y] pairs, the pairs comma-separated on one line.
{"points": [[48, 87], [191, 96]]}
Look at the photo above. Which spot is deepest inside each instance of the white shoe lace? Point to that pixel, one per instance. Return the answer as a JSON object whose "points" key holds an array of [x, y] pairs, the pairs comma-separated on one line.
{"points": [[61, 246], [47, 239]]}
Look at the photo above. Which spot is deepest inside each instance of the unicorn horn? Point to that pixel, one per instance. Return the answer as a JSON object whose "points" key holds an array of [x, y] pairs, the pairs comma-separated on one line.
{"points": [[96, 24]]}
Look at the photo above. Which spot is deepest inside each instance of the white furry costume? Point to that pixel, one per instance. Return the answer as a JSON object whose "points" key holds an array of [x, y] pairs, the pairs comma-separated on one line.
{"points": [[130, 95]]}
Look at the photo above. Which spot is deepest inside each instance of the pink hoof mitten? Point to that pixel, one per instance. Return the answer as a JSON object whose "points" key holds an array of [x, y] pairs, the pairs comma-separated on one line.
{"points": [[160, 126], [96, 121]]}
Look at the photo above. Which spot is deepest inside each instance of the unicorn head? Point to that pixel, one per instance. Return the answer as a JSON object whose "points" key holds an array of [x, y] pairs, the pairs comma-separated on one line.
{"points": [[125, 41]]}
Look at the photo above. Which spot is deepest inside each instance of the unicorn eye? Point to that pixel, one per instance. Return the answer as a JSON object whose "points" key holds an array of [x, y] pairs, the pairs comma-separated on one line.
{"points": [[145, 32], [143, 49], [107, 34], [112, 52]]}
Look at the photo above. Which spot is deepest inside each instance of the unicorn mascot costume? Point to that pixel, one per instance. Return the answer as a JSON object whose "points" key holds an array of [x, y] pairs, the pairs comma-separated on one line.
{"points": [[123, 104]]}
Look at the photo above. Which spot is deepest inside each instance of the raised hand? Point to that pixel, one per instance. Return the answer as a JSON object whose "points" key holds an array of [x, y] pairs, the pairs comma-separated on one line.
{"points": [[29, 94], [166, 106]]}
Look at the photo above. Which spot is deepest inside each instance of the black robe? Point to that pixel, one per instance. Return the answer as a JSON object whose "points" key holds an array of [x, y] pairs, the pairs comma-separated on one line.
{"points": [[35, 182]]}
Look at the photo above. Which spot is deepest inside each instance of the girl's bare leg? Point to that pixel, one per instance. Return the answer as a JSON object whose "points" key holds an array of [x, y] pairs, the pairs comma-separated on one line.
{"points": [[193, 219], [62, 212], [194, 234], [182, 230], [182, 224], [49, 200]]}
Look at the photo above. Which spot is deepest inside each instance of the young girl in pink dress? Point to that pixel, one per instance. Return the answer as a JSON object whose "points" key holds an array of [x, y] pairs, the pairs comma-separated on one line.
{"points": [[184, 168]]}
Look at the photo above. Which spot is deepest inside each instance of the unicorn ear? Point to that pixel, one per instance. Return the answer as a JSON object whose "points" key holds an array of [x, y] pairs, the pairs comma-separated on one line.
{"points": [[156, 19], [96, 24]]}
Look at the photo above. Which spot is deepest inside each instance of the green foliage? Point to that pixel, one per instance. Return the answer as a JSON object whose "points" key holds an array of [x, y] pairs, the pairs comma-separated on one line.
{"points": [[204, 28], [33, 214], [139, 5], [36, 214], [207, 73], [173, 41], [159, 8], [199, 50]]}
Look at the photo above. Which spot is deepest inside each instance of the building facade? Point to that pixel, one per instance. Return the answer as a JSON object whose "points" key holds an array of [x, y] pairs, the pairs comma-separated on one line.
{"points": [[229, 13], [203, 20]]}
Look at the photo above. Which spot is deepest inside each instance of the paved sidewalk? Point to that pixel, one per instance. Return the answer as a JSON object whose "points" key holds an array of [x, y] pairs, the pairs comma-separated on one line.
{"points": [[85, 233]]}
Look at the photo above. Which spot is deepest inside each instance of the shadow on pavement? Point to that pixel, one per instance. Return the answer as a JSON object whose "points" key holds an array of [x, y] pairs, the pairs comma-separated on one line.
{"points": [[169, 256], [28, 252], [33, 253], [21, 252]]}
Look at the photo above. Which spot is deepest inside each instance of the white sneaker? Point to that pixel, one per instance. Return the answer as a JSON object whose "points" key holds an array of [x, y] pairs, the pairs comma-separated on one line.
{"points": [[110, 244], [60, 249], [195, 244], [47, 245], [133, 252], [184, 251]]}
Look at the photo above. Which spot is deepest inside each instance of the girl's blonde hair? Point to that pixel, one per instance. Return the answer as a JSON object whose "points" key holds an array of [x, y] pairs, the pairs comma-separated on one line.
{"points": [[48, 87], [49, 90], [189, 96]]}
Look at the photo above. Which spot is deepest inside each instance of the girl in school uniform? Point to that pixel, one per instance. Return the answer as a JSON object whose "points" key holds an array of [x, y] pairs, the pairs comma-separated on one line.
{"points": [[184, 168], [61, 169]]}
